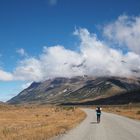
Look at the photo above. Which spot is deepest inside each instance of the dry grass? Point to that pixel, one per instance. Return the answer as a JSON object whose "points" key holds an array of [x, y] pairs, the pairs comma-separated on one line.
{"points": [[132, 112], [37, 122]]}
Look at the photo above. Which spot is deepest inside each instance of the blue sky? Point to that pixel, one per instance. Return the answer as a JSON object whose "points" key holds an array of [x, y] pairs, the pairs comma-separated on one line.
{"points": [[26, 26]]}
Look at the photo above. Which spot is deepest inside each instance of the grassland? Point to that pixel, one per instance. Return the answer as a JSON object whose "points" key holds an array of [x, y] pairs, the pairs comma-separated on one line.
{"points": [[130, 111], [37, 122]]}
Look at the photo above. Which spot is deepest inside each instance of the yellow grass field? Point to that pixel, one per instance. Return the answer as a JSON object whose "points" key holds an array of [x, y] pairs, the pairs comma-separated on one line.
{"points": [[132, 112], [37, 122]]}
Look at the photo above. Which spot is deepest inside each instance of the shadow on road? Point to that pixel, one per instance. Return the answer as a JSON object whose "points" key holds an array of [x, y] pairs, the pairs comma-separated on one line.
{"points": [[93, 122]]}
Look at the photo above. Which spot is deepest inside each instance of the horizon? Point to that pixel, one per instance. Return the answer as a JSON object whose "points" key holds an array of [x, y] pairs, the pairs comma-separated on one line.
{"points": [[54, 38]]}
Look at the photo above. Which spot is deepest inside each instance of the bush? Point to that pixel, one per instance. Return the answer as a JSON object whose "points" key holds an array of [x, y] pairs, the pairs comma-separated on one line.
{"points": [[68, 108]]}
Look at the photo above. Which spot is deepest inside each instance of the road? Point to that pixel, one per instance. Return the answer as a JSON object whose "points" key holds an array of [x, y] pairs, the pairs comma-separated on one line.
{"points": [[112, 127]]}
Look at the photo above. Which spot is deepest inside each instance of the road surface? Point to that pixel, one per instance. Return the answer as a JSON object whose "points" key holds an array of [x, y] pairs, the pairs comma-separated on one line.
{"points": [[112, 127]]}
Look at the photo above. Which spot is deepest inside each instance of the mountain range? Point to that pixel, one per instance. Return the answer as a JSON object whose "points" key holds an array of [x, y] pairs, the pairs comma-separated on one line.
{"points": [[81, 90]]}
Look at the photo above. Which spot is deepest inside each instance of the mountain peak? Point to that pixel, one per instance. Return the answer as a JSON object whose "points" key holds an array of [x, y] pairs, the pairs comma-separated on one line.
{"points": [[34, 85], [75, 89]]}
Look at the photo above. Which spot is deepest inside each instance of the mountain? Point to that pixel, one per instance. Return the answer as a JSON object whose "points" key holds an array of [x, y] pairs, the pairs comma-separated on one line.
{"points": [[75, 90], [2, 102], [128, 97]]}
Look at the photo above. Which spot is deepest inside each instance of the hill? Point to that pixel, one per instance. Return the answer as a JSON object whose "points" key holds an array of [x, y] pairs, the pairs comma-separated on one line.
{"points": [[75, 90]]}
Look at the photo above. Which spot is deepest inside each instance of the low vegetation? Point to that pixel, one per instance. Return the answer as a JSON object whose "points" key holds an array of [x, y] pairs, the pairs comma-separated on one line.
{"points": [[131, 111], [37, 122]]}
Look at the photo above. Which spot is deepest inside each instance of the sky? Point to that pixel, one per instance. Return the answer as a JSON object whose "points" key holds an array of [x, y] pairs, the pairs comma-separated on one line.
{"points": [[42, 39]]}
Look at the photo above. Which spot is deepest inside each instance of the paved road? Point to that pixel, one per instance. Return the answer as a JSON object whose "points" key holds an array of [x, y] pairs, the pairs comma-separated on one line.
{"points": [[112, 127]]}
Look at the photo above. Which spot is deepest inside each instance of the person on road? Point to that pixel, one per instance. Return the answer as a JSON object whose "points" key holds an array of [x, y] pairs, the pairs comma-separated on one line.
{"points": [[98, 113]]}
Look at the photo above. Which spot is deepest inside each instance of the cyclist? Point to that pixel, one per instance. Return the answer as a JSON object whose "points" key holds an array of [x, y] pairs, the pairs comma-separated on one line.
{"points": [[98, 113]]}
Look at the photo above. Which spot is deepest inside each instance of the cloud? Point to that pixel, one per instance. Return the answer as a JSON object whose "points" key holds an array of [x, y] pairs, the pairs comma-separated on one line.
{"points": [[26, 85], [125, 31], [5, 76], [94, 58], [102, 60], [55, 61], [52, 2], [28, 69], [21, 52]]}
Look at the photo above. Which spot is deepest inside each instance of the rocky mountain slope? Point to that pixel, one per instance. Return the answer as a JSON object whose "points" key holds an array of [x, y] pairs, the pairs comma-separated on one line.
{"points": [[128, 97], [75, 90]]}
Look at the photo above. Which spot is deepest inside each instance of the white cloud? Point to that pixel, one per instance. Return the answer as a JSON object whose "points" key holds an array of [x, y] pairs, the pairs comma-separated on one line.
{"points": [[28, 69], [102, 60], [52, 2], [26, 85], [125, 31], [21, 52], [94, 58], [5, 76]]}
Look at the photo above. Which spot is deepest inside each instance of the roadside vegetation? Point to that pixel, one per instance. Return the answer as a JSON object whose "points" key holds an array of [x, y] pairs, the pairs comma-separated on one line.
{"points": [[37, 122], [132, 110]]}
